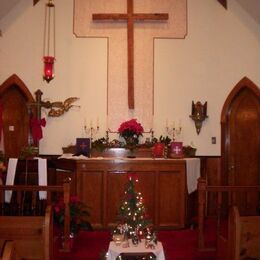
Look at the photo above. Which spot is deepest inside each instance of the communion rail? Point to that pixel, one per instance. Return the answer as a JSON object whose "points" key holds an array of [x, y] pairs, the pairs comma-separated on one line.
{"points": [[25, 202], [221, 191]]}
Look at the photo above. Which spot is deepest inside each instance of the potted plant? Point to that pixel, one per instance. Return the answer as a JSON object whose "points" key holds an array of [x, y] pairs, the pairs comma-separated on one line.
{"points": [[131, 130], [29, 151], [79, 215], [189, 150]]}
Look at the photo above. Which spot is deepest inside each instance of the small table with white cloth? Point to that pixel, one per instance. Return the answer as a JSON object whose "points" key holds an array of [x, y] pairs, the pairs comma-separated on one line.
{"points": [[115, 250]]}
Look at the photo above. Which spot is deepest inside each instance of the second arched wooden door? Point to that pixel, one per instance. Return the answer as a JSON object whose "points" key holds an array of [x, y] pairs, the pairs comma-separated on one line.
{"points": [[240, 131]]}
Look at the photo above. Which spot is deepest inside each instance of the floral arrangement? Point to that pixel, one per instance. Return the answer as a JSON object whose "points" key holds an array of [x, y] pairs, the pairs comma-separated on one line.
{"points": [[130, 129], [78, 214]]}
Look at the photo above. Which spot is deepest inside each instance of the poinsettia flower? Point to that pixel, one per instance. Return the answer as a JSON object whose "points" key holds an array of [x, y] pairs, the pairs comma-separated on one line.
{"points": [[130, 128]]}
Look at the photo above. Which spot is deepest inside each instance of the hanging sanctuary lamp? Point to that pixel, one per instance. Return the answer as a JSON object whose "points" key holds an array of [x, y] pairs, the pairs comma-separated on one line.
{"points": [[49, 41]]}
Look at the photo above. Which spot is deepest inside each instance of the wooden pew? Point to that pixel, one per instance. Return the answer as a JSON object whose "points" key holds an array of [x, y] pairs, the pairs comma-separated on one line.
{"points": [[243, 236], [32, 235], [220, 191], [24, 228], [8, 251]]}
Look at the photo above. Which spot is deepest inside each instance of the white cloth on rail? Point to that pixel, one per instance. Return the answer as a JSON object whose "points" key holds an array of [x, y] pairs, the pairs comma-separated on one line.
{"points": [[11, 169], [193, 173], [42, 177]]}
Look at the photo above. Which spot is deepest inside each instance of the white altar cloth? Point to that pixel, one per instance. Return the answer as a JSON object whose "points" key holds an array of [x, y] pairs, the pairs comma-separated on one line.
{"points": [[114, 251], [193, 173]]}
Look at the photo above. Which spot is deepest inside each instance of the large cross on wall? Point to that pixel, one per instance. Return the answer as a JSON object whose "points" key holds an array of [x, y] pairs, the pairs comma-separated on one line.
{"points": [[130, 17], [130, 66]]}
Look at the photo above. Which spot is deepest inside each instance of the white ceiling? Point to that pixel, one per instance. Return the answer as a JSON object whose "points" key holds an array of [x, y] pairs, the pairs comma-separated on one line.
{"points": [[6, 6], [251, 6]]}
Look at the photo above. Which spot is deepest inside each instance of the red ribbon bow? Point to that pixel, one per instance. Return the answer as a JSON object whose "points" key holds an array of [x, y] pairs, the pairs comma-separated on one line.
{"points": [[36, 128]]}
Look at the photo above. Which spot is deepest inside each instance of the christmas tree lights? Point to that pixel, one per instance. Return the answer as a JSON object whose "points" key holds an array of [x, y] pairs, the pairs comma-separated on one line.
{"points": [[133, 219]]}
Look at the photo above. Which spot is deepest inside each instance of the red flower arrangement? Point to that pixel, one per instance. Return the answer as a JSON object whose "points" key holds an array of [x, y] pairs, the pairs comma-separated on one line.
{"points": [[130, 128], [78, 214]]}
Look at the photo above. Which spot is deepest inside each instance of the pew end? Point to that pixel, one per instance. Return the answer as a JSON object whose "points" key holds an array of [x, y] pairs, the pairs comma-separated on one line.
{"points": [[225, 200], [243, 236], [8, 251], [31, 235], [28, 221]]}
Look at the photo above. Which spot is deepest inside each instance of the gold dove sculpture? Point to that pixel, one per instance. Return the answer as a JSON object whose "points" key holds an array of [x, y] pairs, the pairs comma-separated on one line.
{"points": [[58, 108]]}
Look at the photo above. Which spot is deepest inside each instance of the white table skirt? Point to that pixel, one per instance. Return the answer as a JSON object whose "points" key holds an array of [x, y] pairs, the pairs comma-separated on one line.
{"points": [[114, 251], [193, 173]]}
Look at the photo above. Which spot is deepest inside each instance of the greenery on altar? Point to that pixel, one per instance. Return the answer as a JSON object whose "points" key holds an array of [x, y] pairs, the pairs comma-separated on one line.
{"points": [[130, 131]]}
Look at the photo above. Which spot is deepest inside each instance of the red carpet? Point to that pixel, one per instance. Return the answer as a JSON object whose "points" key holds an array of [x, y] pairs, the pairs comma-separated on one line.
{"points": [[178, 245]]}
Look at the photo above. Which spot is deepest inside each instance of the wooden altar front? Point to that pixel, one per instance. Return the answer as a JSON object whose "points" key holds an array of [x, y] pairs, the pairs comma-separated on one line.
{"points": [[100, 184]]}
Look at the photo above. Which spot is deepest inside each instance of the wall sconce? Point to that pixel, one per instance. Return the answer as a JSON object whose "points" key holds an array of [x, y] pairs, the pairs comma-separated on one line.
{"points": [[49, 41], [198, 114]]}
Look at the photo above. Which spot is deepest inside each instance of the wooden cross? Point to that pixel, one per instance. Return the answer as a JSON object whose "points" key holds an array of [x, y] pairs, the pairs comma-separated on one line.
{"points": [[38, 104], [130, 17]]}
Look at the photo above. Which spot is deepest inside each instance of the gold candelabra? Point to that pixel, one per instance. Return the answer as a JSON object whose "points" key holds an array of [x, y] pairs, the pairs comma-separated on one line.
{"points": [[91, 131], [173, 131]]}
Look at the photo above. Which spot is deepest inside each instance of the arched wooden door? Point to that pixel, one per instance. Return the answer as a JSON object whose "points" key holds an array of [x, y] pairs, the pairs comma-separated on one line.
{"points": [[240, 137], [14, 96]]}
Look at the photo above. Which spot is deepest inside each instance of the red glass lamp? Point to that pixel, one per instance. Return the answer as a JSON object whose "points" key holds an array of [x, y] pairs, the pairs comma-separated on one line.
{"points": [[48, 71], [49, 42]]}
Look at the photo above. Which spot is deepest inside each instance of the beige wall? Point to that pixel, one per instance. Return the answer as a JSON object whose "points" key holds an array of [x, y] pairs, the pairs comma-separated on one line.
{"points": [[221, 48]]}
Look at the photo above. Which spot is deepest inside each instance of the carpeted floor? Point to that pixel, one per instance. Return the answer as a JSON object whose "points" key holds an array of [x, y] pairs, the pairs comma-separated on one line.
{"points": [[178, 245]]}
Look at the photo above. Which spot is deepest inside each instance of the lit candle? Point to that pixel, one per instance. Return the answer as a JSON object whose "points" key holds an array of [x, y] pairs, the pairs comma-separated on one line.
{"points": [[97, 122], [91, 123], [173, 124], [166, 122]]}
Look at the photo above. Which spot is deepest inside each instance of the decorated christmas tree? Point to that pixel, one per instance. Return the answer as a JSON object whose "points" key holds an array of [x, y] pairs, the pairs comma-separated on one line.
{"points": [[132, 212]]}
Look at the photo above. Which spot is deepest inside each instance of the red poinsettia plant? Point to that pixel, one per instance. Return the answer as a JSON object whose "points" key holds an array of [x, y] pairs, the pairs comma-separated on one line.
{"points": [[130, 128], [78, 214]]}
